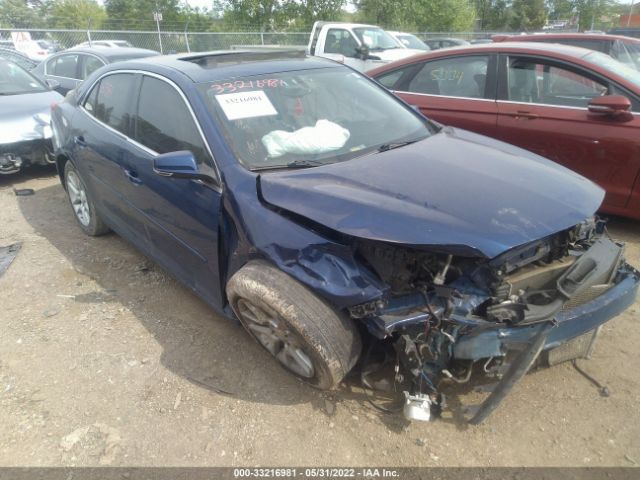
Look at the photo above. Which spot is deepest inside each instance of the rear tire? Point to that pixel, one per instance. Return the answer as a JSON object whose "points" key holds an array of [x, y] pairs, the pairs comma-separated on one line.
{"points": [[305, 335], [81, 201]]}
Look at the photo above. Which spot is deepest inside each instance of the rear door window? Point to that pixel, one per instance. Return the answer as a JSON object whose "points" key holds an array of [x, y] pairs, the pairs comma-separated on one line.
{"points": [[64, 66], [164, 123], [453, 77], [109, 101]]}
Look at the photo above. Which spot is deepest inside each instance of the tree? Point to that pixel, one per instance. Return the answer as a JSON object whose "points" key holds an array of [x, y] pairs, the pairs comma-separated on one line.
{"points": [[431, 15], [20, 14], [528, 15], [138, 14], [492, 14], [76, 13]]}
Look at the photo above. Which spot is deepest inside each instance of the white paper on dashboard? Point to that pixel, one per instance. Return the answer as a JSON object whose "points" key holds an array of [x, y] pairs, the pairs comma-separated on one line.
{"points": [[246, 105]]}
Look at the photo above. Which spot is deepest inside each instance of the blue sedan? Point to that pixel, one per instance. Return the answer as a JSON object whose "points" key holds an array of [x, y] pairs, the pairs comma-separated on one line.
{"points": [[301, 198]]}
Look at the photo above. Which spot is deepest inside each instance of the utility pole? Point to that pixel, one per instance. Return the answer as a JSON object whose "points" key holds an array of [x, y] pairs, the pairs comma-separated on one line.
{"points": [[630, 14], [157, 16]]}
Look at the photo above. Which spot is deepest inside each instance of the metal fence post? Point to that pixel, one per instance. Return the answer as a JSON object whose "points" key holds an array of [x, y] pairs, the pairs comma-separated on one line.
{"points": [[89, 32], [186, 37]]}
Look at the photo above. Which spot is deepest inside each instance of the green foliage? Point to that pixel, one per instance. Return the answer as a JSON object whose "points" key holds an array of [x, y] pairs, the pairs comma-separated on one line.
{"points": [[76, 13], [528, 15], [21, 14], [492, 14], [422, 15]]}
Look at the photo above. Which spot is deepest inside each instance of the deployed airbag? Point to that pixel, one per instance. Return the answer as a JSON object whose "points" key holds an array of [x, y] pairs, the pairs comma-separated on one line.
{"points": [[325, 136]]}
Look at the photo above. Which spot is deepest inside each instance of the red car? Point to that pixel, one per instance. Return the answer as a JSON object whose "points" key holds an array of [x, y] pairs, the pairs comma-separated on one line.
{"points": [[623, 49], [578, 107]]}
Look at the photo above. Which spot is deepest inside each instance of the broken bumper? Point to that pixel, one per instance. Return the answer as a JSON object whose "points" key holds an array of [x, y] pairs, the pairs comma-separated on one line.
{"points": [[568, 324], [14, 156]]}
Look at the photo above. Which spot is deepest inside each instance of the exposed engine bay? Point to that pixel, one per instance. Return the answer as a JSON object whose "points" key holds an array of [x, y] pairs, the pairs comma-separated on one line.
{"points": [[446, 315]]}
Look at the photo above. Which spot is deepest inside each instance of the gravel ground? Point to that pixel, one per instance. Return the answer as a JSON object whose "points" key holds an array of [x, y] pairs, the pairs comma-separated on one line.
{"points": [[107, 360]]}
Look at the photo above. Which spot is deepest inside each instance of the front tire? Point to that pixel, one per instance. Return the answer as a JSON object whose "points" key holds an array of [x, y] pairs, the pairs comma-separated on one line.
{"points": [[81, 202], [304, 334]]}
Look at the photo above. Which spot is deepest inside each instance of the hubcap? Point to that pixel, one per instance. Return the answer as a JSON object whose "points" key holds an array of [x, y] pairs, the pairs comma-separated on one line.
{"points": [[78, 197], [273, 335]]}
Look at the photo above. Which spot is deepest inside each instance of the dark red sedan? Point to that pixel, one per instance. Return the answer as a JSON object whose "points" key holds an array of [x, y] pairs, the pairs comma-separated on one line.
{"points": [[578, 107]]}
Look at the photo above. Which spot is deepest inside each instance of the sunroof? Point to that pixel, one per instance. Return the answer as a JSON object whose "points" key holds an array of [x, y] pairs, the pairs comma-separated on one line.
{"points": [[213, 60]]}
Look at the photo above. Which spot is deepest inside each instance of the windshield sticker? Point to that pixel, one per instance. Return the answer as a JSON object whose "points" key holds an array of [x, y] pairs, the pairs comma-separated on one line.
{"points": [[246, 105], [231, 87]]}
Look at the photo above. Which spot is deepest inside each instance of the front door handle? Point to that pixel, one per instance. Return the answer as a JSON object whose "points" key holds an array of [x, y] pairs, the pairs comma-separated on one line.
{"points": [[79, 140], [132, 176], [524, 114]]}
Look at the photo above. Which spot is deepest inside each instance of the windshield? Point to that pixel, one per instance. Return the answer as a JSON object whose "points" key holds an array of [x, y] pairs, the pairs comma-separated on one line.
{"points": [[411, 41], [15, 81], [627, 53], [309, 117], [624, 70], [375, 38]]}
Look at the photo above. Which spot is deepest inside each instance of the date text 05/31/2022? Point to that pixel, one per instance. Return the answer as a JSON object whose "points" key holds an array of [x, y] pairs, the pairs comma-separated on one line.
{"points": [[315, 473]]}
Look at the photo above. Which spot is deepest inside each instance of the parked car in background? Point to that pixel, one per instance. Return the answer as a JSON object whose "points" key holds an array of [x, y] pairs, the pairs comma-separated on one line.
{"points": [[623, 49], [8, 44], [362, 47], [301, 198], [71, 66], [575, 106], [33, 49], [479, 41], [438, 43], [25, 131], [105, 43], [627, 32], [409, 40], [18, 58], [48, 46]]}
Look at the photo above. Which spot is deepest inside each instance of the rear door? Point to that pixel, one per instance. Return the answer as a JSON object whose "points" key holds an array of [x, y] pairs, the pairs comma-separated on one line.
{"points": [[102, 126], [180, 216], [542, 107], [457, 90]]}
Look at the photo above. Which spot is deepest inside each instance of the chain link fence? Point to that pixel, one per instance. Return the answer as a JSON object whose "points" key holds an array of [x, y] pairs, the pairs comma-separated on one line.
{"points": [[186, 41], [163, 41]]}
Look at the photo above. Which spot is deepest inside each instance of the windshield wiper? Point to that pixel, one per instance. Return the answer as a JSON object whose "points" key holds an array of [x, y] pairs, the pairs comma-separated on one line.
{"points": [[390, 146], [294, 164]]}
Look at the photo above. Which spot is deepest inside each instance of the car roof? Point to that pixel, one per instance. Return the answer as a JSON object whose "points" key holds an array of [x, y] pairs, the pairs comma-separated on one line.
{"points": [[112, 52], [521, 47], [564, 36], [223, 64]]}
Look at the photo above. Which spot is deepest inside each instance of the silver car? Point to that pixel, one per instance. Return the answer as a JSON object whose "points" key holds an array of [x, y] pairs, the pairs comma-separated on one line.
{"points": [[25, 113]]}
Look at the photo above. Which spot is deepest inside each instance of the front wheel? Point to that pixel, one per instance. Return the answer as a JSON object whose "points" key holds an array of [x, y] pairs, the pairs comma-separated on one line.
{"points": [[304, 334]]}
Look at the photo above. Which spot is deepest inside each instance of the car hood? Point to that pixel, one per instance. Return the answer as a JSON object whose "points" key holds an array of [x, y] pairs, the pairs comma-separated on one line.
{"points": [[23, 117], [455, 191]]}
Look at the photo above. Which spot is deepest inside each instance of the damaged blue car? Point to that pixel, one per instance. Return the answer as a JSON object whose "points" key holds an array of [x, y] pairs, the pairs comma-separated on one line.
{"points": [[330, 218]]}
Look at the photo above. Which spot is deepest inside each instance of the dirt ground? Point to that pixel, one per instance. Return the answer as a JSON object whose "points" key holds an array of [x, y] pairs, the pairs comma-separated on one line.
{"points": [[107, 360]]}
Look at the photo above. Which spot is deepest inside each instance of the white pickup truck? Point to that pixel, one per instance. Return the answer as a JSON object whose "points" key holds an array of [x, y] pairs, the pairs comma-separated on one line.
{"points": [[362, 47]]}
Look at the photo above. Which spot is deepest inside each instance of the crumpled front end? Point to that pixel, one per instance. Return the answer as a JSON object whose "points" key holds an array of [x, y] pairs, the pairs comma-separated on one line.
{"points": [[25, 140], [450, 317]]}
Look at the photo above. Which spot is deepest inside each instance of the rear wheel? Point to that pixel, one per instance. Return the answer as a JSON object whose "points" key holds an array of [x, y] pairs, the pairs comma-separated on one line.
{"points": [[82, 202], [304, 334]]}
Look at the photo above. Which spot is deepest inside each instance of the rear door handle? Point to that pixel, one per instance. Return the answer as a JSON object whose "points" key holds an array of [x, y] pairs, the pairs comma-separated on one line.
{"points": [[525, 114], [132, 176], [79, 140]]}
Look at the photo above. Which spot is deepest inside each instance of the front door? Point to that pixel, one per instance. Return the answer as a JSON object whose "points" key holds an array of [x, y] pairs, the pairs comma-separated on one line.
{"points": [[543, 108], [181, 216]]}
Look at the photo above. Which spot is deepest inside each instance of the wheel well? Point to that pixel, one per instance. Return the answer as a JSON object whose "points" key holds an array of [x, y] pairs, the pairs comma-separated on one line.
{"points": [[61, 161]]}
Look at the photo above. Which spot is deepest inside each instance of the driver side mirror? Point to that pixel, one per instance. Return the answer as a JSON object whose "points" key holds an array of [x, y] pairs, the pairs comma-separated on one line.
{"points": [[363, 52], [611, 105], [180, 164]]}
